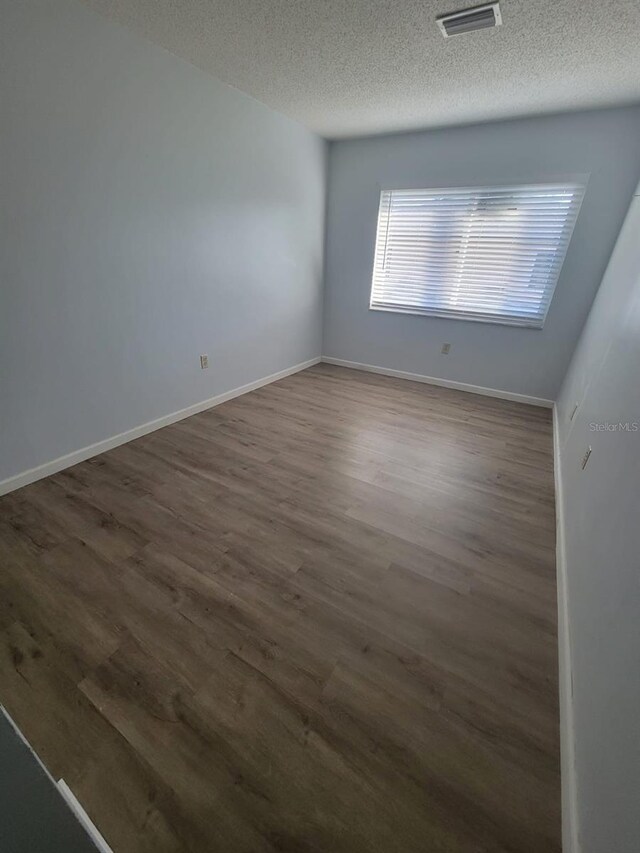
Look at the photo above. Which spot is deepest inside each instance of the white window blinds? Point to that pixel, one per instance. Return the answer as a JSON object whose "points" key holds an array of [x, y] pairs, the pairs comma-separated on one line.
{"points": [[487, 254]]}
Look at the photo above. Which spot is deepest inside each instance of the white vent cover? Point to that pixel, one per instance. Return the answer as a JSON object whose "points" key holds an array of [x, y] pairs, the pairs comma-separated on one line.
{"points": [[476, 18]]}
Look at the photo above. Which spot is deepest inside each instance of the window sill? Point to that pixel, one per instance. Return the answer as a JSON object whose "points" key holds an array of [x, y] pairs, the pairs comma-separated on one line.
{"points": [[469, 318]]}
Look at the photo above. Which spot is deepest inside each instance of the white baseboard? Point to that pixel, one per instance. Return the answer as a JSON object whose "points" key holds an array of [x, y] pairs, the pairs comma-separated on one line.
{"points": [[81, 815], [444, 383], [55, 465], [67, 794], [570, 839]]}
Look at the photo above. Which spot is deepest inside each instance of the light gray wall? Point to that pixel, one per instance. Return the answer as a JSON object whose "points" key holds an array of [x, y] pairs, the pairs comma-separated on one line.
{"points": [[600, 511], [525, 361], [148, 214]]}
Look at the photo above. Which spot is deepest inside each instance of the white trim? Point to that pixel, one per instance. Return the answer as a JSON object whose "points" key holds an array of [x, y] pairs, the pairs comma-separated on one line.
{"points": [[67, 794], [570, 840], [81, 815], [444, 383], [55, 465]]}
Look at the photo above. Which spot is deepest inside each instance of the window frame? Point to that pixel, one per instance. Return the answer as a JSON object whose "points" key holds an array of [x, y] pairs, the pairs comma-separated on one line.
{"points": [[576, 181]]}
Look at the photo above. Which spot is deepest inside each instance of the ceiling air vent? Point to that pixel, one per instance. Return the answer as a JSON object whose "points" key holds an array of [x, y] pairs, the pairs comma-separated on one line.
{"points": [[477, 18]]}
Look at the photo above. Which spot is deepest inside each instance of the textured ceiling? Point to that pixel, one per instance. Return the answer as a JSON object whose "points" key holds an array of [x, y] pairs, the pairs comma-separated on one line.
{"points": [[354, 67]]}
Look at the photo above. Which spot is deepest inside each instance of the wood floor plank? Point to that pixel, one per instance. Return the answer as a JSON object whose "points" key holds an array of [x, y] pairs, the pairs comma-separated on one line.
{"points": [[319, 617]]}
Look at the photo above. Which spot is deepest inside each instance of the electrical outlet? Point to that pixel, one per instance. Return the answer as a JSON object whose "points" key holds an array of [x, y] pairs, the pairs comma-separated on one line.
{"points": [[585, 458], [204, 362], [445, 349]]}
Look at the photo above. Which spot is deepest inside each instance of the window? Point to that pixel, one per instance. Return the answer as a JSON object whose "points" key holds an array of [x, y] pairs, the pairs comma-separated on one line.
{"points": [[489, 254]]}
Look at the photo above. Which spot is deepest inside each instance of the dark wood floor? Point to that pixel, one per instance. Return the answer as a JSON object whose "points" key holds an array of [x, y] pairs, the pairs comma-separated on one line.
{"points": [[320, 617]]}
